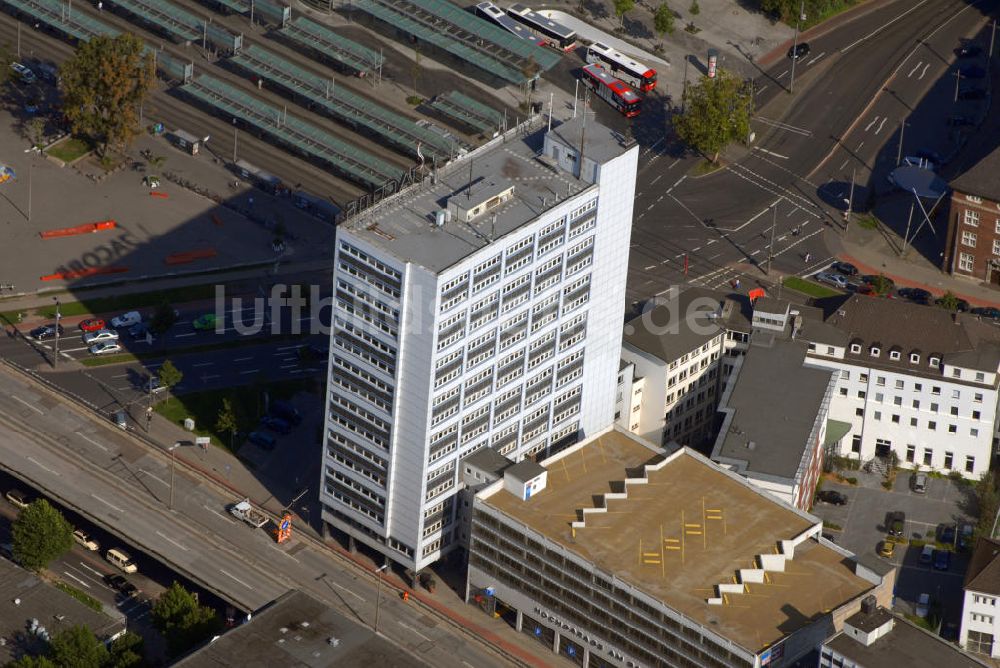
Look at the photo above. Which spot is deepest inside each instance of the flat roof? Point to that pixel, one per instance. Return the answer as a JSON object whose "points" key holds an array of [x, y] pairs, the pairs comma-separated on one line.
{"points": [[687, 490], [677, 323], [296, 630], [905, 645], [404, 225], [54, 609], [774, 406]]}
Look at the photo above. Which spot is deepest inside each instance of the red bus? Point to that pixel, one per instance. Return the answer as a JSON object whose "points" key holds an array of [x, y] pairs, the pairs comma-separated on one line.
{"points": [[616, 93]]}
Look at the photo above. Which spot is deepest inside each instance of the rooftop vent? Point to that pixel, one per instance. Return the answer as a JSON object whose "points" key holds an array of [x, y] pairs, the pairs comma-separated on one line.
{"points": [[868, 604], [751, 445], [473, 202]]}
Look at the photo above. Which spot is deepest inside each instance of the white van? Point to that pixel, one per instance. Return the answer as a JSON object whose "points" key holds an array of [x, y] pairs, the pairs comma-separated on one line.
{"points": [[927, 554], [120, 559], [126, 320]]}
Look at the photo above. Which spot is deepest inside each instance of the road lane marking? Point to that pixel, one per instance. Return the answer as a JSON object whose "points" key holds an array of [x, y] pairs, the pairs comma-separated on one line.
{"points": [[243, 359], [171, 540], [209, 376], [228, 574], [183, 335], [228, 518], [658, 177], [121, 375], [407, 626], [91, 441], [859, 147], [249, 371], [914, 70], [783, 74], [881, 125], [882, 27], [926, 67], [278, 549], [343, 588], [95, 572], [42, 466], [776, 155], [844, 165], [287, 348], [874, 121], [70, 575], [816, 58], [107, 503], [785, 126], [201, 364], [155, 477], [32, 407]]}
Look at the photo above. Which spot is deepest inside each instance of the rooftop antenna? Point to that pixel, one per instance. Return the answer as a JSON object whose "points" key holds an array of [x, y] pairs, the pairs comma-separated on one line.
{"points": [[583, 132]]}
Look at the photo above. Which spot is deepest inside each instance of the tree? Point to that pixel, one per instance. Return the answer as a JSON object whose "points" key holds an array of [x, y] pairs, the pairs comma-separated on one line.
{"points": [[182, 620], [663, 20], [77, 647], [28, 661], [103, 85], [163, 318], [949, 301], [36, 131], [987, 503], [694, 8], [621, 8], [529, 71], [717, 112], [881, 285], [170, 375], [227, 421], [126, 651], [5, 60], [41, 534]]}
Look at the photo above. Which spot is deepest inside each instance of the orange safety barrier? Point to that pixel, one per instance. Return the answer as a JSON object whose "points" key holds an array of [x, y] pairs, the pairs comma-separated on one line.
{"points": [[82, 273], [190, 256], [88, 228], [156, 193]]}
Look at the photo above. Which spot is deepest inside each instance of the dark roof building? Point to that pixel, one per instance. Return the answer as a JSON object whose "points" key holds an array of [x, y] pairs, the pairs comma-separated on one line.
{"points": [[983, 574], [972, 249], [298, 630]]}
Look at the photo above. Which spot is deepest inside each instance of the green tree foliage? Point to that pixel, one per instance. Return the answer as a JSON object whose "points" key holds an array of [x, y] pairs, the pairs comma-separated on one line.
{"points": [[126, 651], [28, 661], [77, 647], [788, 10], [663, 20], [881, 285], [717, 112], [103, 85], [183, 621], [170, 375], [622, 7], [41, 534], [227, 421], [694, 8], [949, 301], [987, 502]]}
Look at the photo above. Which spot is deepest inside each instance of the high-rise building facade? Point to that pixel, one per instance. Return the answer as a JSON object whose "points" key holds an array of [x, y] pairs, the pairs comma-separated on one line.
{"points": [[479, 308]]}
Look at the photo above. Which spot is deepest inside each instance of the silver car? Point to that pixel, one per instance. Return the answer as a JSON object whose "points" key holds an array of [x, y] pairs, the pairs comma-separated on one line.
{"points": [[100, 335], [835, 280]]}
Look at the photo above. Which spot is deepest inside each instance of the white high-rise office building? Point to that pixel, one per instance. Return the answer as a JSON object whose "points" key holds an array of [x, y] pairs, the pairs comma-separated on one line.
{"points": [[480, 308]]}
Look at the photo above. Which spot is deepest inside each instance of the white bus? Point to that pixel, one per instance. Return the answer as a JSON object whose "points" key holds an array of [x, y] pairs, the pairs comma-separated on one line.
{"points": [[631, 72], [556, 35]]}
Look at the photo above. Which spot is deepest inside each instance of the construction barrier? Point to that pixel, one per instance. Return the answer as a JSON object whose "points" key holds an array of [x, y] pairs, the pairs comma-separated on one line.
{"points": [[89, 228], [157, 193], [190, 256], [82, 273]]}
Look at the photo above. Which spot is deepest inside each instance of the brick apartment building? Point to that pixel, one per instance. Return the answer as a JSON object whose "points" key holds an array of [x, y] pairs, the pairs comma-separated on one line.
{"points": [[972, 249]]}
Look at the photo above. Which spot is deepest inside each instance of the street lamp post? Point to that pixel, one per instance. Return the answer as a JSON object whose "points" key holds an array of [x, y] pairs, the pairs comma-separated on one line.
{"points": [[899, 151], [770, 247], [55, 357], [171, 451], [795, 44], [378, 594], [958, 80]]}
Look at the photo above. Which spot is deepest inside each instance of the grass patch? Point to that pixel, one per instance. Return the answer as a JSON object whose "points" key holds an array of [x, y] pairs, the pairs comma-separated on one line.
{"points": [[809, 288], [83, 597], [832, 525], [127, 302], [414, 100], [70, 149], [705, 167], [248, 404], [868, 222]]}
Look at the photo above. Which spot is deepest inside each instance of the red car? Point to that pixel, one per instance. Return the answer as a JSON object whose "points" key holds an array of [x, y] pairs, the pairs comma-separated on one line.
{"points": [[92, 325]]}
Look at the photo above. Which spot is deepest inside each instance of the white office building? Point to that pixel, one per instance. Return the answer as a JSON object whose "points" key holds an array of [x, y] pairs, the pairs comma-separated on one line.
{"points": [[480, 308], [980, 628]]}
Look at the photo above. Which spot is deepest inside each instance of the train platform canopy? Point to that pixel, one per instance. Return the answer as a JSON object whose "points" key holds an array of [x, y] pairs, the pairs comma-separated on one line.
{"points": [[464, 35], [321, 39], [463, 108], [344, 104], [347, 159], [75, 24], [180, 24]]}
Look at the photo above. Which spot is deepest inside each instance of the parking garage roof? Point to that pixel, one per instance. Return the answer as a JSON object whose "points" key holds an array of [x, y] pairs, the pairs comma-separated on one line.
{"points": [[637, 537]]}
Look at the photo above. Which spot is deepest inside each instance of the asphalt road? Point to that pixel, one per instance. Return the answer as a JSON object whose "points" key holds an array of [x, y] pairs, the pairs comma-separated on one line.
{"points": [[711, 229], [126, 490]]}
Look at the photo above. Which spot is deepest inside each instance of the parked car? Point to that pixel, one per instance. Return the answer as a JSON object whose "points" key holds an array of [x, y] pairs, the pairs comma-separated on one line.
{"points": [[92, 325], [895, 523], [942, 560], [845, 268], [972, 94], [927, 554], [986, 312], [138, 330], [923, 603], [886, 548], [974, 72], [919, 483], [105, 348], [946, 534], [121, 585], [968, 51], [19, 498], [24, 74], [102, 335], [872, 279], [153, 385], [275, 424], [204, 322], [83, 539], [45, 332], [262, 440], [800, 50], [836, 280], [286, 411], [959, 121], [121, 559], [918, 295], [965, 537], [126, 319], [832, 496]]}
